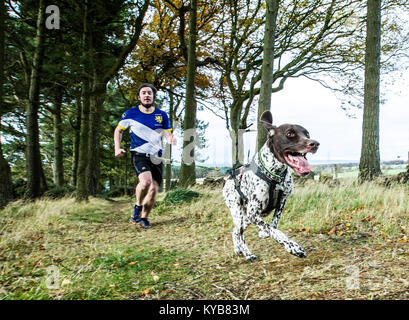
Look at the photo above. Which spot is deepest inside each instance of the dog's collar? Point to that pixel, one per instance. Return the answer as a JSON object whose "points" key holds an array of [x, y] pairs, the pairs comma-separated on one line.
{"points": [[271, 167]]}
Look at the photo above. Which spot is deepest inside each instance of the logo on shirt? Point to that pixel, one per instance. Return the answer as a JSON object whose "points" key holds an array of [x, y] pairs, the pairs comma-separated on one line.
{"points": [[158, 118]]}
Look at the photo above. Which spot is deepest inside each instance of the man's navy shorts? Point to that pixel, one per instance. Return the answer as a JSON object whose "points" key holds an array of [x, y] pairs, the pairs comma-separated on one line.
{"points": [[142, 163]]}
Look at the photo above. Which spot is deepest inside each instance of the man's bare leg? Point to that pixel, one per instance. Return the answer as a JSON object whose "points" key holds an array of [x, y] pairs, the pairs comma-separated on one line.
{"points": [[149, 200], [145, 194], [142, 188]]}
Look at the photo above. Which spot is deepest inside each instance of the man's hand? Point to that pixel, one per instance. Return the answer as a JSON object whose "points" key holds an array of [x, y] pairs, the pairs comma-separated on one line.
{"points": [[119, 153], [171, 139]]}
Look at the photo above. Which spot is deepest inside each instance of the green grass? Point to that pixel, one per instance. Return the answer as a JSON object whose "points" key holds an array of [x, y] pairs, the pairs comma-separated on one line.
{"points": [[180, 195], [188, 253], [119, 273]]}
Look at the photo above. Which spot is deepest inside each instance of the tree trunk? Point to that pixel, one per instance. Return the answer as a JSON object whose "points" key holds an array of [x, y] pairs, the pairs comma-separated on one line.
{"points": [[58, 145], [6, 190], [187, 174], [96, 108], [83, 156], [6, 186], [168, 149], [35, 183], [76, 142], [236, 134], [369, 165], [267, 68]]}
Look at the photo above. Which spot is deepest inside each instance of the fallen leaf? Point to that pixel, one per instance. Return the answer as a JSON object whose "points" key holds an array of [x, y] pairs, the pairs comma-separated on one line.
{"points": [[404, 239], [176, 265], [132, 263], [146, 291]]}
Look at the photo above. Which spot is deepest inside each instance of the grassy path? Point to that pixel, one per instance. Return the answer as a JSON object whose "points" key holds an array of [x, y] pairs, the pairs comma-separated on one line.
{"points": [[58, 249]]}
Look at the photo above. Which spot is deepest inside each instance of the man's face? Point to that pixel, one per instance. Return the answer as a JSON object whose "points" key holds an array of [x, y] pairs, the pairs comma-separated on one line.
{"points": [[146, 96]]}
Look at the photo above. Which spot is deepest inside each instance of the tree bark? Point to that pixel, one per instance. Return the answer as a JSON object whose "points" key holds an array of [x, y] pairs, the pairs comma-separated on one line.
{"points": [[58, 145], [187, 174], [6, 190], [96, 108], [83, 156], [35, 183], [267, 68], [76, 142], [369, 165], [168, 150], [82, 191], [236, 133]]}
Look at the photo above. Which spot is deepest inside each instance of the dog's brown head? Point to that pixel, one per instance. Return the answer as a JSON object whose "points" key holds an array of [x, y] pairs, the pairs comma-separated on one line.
{"points": [[289, 143]]}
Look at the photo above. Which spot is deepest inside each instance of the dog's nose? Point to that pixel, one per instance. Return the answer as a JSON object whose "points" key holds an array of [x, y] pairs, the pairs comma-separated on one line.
{"points": [[314, 144]]}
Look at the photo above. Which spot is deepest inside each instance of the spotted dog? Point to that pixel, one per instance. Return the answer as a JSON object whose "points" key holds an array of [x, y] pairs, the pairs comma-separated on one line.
{"points": [[256, 189]]}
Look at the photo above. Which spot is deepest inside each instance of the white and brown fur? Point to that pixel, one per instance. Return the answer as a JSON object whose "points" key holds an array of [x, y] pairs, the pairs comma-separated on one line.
{"points": [[257, 191]]}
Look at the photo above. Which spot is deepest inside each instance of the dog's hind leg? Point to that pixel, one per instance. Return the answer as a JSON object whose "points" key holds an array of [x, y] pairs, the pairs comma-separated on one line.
{"points": [[240, 225]]}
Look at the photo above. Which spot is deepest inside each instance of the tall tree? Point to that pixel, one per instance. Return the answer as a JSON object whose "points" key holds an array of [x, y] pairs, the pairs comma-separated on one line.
{"points": [[239, 66], [187, 171], [36, 184], [102, 61], [312, 38], [369, 165], [58, 168], [82, 191], [5, 174], [264, 102]]}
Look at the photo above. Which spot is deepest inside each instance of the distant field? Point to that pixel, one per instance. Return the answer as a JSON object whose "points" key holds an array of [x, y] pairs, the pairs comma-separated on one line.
{"points": [[352, 172]]}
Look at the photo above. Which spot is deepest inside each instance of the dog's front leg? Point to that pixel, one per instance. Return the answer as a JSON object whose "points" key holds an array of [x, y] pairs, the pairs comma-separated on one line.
{"points": [[253, 213], [276, 218], [289, 245], [278, 212]]}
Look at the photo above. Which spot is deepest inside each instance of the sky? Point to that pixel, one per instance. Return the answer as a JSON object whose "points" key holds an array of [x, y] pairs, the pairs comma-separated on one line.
{"points": [[309, 104]]}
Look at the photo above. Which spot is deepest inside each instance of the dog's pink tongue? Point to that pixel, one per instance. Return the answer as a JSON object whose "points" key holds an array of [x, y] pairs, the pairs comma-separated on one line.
{"points": [[300, 164]]}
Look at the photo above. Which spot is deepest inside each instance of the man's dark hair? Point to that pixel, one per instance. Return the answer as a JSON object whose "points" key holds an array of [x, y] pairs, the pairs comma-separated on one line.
{"points": [[144, 85]]}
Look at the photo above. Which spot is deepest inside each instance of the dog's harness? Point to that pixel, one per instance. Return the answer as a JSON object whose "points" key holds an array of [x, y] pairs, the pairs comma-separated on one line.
{"points": [[263, 173]]}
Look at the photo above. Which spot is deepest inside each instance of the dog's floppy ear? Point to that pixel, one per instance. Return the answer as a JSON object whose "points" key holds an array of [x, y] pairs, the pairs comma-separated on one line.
{"points": [[266, 120]]}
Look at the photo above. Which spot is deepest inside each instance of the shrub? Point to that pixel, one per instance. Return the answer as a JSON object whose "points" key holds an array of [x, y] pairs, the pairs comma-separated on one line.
{"points": [[180, 195]]}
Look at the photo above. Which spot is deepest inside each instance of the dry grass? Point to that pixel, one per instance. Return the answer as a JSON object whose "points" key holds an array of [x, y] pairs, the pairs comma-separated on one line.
{"points": [[355, 237]]}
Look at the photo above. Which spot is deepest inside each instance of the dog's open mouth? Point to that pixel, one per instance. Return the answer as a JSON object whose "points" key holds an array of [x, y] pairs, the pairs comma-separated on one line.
{"points": [[298, 161]]}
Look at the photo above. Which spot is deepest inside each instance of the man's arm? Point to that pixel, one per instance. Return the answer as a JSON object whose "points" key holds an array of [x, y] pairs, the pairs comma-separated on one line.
{"points": [[117, 142], [170, 138]]}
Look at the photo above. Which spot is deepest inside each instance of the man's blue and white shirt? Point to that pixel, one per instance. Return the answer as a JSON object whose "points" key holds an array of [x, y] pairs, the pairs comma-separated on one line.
{"points": [[145, 129]]}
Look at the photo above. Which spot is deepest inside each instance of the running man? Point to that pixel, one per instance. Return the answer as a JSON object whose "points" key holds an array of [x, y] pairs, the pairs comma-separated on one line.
{"points": [[146, 125]]}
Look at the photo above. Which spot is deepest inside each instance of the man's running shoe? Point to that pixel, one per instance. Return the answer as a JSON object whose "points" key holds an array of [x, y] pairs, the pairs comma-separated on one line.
{"points": [[145, 223], [136, 214]]}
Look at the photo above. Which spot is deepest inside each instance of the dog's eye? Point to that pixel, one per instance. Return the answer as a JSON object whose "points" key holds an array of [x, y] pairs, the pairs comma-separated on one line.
{"points": [[291, 134]]}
